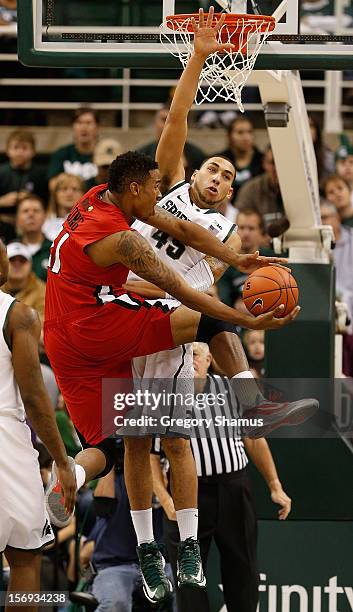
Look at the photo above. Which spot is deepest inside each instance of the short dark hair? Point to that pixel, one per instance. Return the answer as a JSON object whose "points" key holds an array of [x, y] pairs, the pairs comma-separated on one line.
{"points": [[21, 136], [239, 119], [83, 110], [248, 210], [129, 167], [334, 178], [32, 197], [205, 161]]}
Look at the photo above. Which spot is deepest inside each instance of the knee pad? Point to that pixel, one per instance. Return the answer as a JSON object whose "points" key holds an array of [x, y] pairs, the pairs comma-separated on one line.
{"points": [[210, 327], [113, 450]]}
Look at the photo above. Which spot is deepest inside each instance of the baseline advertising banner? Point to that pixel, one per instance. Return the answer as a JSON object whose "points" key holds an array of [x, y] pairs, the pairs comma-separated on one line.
{"points": [[304, 567]]}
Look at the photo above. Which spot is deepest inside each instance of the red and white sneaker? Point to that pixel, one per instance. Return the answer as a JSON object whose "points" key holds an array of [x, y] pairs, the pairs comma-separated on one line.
{"points": [[275, 415], [54, 498]]}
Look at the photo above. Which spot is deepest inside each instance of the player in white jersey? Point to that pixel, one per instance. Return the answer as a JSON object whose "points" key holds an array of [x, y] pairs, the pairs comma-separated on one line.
{"points": [[24, 523], [198, 202], [189, 263]]}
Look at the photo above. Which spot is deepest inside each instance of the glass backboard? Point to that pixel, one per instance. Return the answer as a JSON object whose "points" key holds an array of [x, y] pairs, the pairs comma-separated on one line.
{"points": [[315, 34]]}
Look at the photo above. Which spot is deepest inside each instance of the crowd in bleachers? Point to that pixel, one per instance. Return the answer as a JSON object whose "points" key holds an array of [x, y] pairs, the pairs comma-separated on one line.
{"points": [[35, 199]]}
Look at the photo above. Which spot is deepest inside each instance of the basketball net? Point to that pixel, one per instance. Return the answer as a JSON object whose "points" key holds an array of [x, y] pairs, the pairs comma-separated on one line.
{"points": [[223, 74]]}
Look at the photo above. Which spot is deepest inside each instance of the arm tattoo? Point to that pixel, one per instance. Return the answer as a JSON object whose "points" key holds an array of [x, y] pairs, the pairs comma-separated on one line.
{"points": [[217, 266], [137, 255]]}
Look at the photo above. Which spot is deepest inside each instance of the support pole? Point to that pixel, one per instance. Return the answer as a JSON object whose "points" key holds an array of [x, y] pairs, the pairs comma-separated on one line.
{"points": [[296, 167]]}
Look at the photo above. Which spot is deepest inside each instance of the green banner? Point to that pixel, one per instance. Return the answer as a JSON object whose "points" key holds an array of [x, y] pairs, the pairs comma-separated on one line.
{"points": [[304, 567]]}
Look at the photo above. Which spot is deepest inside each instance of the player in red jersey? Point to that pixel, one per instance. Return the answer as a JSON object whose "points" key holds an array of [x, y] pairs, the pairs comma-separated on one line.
{"points": [[94, 328]]}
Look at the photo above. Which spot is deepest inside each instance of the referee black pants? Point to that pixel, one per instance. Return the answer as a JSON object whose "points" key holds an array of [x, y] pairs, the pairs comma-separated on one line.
{"points": [[227, 514]]}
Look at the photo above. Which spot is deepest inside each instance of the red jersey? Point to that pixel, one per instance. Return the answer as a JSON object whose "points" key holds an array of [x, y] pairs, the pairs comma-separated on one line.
{"points": [[74, 280]]}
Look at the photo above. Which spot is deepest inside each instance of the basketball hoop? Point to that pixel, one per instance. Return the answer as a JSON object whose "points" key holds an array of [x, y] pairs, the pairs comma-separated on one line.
{"points": [[224, 74]]}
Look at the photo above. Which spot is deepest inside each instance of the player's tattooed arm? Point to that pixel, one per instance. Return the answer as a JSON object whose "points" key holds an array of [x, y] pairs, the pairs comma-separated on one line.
{"points": [[22, 333], [246, 263], [194, 235], [217, 266], [134, 252]]}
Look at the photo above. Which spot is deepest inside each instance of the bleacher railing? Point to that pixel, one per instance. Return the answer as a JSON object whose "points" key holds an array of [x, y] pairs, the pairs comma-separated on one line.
{"points": [[331, 83]]}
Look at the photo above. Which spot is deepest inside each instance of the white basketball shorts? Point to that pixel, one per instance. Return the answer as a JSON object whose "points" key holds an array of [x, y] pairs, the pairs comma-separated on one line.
{"points": [[24, 523]]}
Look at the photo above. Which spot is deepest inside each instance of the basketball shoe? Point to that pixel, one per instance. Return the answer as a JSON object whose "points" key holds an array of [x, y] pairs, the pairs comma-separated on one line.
{"points": [[189, 565], [54, 498], [275, 414], [156, 586]]}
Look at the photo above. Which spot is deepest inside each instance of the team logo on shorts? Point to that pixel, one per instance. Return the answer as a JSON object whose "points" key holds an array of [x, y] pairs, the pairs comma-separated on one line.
{"points": [[47, 530]]}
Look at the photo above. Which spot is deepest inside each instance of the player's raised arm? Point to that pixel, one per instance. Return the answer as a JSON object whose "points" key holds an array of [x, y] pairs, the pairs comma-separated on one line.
{"points": [[23, 334], [132, 250], [171, 144]]}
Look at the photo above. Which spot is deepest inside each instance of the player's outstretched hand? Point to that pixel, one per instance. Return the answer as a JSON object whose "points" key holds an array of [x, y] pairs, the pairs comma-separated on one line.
{"points": [[68, 486], [205, 34], [270, 320], [254, 261]]}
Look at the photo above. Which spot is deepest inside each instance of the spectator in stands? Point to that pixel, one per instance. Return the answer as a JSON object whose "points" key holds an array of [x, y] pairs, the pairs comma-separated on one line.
{"points": [[324, 156], [21, 282], [343, 260], [104, 154], [338, 192], [241, 150], [263, 192], [7, 232], [67, 189], [29, 223], [20, 175], [112, 548], [344, 162], [251, 231], [8, 12], [254, 344], [193, 156], [77, 158]]}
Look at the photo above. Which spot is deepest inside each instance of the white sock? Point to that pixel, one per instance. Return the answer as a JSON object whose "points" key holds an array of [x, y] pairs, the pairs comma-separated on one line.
{"points": [[247, 391], [187, 519], [143, 525], [80, 476]]}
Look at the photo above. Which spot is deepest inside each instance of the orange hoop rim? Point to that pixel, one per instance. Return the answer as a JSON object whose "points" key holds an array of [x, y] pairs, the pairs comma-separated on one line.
{"points": [[232, 20]]}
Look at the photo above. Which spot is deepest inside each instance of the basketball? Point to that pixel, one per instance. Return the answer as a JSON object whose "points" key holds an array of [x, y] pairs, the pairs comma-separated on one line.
{"points": [[268, 288]]}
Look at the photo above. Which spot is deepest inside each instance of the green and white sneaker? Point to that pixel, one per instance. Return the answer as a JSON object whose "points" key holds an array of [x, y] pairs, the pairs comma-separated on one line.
{"points": [[156, 586], [189, 565]]}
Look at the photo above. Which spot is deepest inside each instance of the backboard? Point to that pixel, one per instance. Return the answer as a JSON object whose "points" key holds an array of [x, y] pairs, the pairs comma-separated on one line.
{"points": [[125, 33]]}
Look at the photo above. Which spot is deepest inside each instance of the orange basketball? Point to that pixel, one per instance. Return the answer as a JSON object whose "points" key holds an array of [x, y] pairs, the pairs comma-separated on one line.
{"points": [[268, 288]]}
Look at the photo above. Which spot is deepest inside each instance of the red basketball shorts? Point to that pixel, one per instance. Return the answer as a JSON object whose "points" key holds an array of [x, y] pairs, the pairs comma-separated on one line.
{"points": [[95, 343]]}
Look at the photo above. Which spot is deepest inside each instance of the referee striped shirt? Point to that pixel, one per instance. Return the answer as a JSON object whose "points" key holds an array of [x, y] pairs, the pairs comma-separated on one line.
{"points": [[217, 449]]}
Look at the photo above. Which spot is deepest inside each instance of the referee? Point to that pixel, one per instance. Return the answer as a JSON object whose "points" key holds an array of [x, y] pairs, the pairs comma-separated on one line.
{"points": [[225, 499]]}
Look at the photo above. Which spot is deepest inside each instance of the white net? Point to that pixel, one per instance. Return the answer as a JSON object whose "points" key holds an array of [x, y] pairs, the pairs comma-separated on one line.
{"points": [[224, 74]]}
